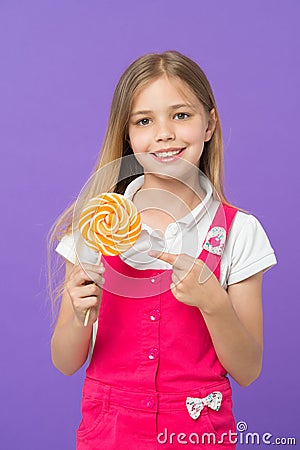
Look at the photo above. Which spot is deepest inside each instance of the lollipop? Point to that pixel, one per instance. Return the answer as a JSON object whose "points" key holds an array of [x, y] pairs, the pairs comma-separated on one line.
{"points": [[110, 224]]}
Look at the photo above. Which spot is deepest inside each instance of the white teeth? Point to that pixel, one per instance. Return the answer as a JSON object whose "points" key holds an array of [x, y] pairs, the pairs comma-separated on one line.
{"points": [[166, 154]]}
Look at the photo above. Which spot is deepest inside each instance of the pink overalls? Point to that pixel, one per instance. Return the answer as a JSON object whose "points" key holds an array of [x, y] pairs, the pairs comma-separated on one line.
{"points": [[151, 353]]}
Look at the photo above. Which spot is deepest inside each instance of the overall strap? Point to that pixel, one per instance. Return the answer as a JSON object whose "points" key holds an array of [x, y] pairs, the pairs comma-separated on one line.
{"points": [[214, 242]]}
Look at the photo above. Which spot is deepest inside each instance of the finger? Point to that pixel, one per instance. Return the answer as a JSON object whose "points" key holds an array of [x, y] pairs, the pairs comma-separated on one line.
{"points": [[94, 278], [90, 290], [174, 290], [178, 261], [86, 303], [86, 292], [83, 276], [89, 268], [99, 280], [163, 256], [176, 279]]}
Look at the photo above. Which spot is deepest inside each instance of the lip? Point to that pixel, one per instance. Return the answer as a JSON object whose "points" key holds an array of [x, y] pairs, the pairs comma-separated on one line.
{"points": [[169, 158]]}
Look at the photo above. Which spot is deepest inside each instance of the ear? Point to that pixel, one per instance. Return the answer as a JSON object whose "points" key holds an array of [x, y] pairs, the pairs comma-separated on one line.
{"points": [[211, 125]]}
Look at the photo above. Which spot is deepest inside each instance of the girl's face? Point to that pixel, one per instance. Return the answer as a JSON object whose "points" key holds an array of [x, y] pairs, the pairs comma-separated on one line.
{"points": [[168, 127]]}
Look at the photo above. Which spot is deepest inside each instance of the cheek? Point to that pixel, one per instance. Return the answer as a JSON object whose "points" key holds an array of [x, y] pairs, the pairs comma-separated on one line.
{"points": [[193, 135], [138, 141]]}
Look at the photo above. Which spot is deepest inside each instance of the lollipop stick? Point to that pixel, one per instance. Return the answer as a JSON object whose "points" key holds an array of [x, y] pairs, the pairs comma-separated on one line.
{"points": [[87, 314]]}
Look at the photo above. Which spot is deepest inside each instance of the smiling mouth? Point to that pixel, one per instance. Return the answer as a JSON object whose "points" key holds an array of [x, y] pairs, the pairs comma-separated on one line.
{"points": [[168, 155]]}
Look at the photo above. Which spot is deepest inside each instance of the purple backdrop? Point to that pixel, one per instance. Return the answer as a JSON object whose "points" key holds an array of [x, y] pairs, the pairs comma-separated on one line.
{"points": [[60, 62]]}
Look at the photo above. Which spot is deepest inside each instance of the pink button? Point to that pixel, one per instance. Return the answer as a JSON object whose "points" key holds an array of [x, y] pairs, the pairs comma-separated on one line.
{"points": [[155, 315], [153, 353], [150, 402]]}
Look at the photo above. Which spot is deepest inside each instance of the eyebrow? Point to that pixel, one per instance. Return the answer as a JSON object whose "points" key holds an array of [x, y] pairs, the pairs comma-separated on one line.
{"points": [[173, 107]]}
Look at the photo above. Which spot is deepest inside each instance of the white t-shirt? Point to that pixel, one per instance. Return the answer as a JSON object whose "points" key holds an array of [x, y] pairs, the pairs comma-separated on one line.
{"points": [[247, 250]]}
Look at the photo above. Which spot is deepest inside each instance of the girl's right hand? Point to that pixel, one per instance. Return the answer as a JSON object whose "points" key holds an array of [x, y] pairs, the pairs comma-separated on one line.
{"points": [[85, 289]]}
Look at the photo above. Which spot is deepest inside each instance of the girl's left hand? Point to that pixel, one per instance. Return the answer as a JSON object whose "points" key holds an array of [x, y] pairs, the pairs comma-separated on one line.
{"points": [[193, 282]]}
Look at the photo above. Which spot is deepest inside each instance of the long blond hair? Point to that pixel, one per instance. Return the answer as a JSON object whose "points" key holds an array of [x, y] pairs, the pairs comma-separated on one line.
{"points": [[116, 145]]}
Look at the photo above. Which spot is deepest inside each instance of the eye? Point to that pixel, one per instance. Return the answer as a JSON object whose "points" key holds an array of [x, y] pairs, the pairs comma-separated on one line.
{"points": [[182, 116], [143, 122]]}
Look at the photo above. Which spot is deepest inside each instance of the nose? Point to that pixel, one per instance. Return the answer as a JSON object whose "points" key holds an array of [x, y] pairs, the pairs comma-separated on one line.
{"points": [[164, 132]]}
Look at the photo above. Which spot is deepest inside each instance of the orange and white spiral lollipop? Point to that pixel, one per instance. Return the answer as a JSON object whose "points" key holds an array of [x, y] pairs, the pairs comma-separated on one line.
{"points": [[110, 224]]}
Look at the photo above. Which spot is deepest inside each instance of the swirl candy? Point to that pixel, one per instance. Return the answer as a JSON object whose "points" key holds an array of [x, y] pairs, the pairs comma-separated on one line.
{"points": [[110, 224]]}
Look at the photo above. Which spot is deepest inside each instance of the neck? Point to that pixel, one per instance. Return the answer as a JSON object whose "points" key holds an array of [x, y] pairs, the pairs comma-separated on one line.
{"points": [[173, 196]]}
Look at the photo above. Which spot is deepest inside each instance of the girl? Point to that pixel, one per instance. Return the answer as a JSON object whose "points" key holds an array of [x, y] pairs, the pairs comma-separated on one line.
{"points": [[170, 324]]}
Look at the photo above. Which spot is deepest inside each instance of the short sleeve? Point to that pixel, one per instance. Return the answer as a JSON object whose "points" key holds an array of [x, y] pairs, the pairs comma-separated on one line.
{"points": [[73, 248], [250, 248]]}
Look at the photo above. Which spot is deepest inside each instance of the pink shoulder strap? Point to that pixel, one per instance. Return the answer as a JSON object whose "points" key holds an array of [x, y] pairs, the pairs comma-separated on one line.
{"points": [[214, 242]]}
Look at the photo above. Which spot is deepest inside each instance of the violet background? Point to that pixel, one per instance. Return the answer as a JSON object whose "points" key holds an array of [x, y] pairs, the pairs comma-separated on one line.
{"points": [[60, 62]]}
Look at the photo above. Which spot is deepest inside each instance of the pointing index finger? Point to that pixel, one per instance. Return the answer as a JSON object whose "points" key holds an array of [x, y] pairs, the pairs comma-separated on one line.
{"points": [[173, 259]]}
